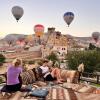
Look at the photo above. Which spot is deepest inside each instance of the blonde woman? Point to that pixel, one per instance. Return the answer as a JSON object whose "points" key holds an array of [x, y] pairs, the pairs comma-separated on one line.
{"points": [[14, 70]]}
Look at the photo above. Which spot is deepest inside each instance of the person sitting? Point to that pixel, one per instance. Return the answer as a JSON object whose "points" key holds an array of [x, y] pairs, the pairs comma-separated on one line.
{"points": [[13, 76], [50, 73]]}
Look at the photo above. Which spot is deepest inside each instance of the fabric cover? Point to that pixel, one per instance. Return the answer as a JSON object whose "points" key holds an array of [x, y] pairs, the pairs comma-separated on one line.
{"points": [[28, 77], [42, 93]]}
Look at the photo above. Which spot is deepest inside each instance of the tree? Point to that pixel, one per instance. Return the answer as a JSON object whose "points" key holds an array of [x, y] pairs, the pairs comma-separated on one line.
{"points": [[91, 59], [2, 59], [97, 67], [91, 46], [53, 57]]}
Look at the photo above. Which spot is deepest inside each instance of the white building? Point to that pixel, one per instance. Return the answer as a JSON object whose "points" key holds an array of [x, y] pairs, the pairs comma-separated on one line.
{"points": [[61, 50]]}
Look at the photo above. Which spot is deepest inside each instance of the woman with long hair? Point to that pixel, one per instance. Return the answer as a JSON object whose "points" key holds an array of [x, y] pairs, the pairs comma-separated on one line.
{"points": [[13, 75]]}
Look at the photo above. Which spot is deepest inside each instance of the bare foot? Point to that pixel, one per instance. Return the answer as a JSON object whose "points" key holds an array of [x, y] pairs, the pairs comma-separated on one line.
{"points": [[59, 82]]}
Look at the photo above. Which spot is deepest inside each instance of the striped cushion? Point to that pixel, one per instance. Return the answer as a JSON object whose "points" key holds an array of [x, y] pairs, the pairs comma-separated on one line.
{"points": [[28, 77], [97, 91], [58, 93], [75, 87], [82, 88], [73, 75], [87, 89]]}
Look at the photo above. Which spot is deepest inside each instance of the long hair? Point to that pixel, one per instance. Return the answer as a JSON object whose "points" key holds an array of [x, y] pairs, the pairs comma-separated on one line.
{"points": [[16, 62]]}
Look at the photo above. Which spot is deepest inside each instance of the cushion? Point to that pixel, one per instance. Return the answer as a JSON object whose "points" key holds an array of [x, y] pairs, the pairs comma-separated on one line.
{"points": [[28, 77], [87, 89], [96, 91], [42, 93]]}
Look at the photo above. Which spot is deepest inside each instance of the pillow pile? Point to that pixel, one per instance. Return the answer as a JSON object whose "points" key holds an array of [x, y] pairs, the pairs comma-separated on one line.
{"points": [[28, 77]]}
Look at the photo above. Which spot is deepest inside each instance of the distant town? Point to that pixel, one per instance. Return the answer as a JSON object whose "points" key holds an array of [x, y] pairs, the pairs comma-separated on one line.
{"points": [[12, 45]]}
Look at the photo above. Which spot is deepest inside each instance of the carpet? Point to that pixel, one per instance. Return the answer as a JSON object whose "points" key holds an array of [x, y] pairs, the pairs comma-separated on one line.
{"points": [[56, 93]]}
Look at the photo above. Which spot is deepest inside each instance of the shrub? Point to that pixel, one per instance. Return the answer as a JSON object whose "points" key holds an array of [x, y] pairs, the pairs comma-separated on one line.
{"points": [[97, 67], [89, 58], [53, 57], [2, 59], [1, 80]]}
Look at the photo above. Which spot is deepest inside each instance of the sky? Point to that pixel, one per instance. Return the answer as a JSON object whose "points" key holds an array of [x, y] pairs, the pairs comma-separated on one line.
{"points": [[50, 14]]}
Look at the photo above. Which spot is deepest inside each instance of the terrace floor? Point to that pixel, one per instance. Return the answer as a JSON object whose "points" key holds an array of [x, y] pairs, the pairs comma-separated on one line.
{"points": [[66, 91]]}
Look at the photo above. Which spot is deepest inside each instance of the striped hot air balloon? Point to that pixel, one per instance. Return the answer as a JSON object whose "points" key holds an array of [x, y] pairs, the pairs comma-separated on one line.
{"points": [[39, 30], [68, 17]]}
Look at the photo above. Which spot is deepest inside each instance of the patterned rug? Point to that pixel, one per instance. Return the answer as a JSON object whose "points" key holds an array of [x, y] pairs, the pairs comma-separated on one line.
{"points": [[6, 96], [56, 93]]}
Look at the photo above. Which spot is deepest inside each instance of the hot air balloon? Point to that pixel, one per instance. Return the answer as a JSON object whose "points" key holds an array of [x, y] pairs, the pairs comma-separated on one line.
{"points": [[68, 17], [95, 36], [10, 39], [39, 30], [17, 12]]}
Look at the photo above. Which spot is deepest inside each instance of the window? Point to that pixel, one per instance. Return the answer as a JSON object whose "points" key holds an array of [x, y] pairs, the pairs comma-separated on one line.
{"points": [[64, 49]]}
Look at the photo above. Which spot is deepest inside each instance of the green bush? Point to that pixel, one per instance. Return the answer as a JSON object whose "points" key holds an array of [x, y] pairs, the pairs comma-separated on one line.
{"points": [[1, 80], [91, 46], [2, 59], [97, 67], [91, 59], [53, 57]]}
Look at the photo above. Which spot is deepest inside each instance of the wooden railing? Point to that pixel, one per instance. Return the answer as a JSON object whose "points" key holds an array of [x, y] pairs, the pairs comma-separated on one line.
{"points": [[90, 77]]}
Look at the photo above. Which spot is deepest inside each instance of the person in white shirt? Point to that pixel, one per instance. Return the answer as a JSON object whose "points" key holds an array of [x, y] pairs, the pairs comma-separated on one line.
{"points": [[50, 74]]}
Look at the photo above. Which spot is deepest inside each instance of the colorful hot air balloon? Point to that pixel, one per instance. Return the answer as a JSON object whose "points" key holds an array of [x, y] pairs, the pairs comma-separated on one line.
{"points": [[17, 12], [39, 30], [68, 17], [95, 36]]}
